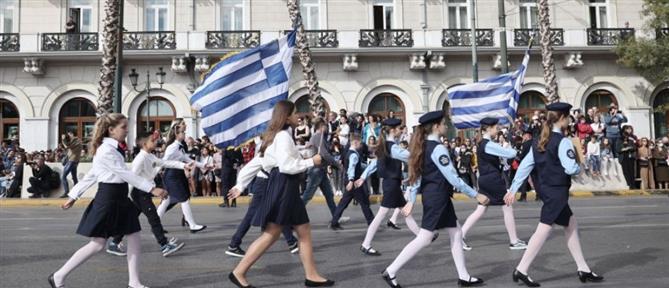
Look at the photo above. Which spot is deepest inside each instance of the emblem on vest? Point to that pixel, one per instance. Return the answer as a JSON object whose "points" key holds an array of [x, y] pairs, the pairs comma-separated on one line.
{"points": [[571, 154], [443, 160]]}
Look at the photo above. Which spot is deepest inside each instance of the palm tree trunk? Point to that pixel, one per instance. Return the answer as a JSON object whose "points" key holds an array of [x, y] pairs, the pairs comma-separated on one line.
{"points": [[547, 53], [304, 54], [109, 47]]}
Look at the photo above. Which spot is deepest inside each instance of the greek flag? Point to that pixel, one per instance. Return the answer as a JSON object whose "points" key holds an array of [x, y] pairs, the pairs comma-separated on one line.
{"points": [[493, 97], [238, 94]]}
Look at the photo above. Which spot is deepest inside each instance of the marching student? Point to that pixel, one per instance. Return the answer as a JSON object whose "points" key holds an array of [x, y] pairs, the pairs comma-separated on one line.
{"points": [[175, 180], [432, 173], [389, 159], [147, 165], [492, 184], [282, 205], [552, 162], [111, 212], [358, 192]]}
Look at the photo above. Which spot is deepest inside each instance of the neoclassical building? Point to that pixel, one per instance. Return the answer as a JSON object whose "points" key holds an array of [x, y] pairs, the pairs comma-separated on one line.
{"points": [[371, 56]]}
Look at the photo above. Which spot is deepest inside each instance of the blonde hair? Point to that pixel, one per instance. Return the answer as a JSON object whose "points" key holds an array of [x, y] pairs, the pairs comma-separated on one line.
{"points": [[552, 117], [101, 130]]}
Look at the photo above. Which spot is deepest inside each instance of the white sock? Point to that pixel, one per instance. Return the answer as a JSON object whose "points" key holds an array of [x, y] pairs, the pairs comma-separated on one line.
{"points": [[94, 246], [421, 241], [162, 208], [473, 218], [574, 245], [533, 246], [188, 215], [374, 226], [395, 214], [510, 223], [133, 252], [411, 223], [455, 235]]}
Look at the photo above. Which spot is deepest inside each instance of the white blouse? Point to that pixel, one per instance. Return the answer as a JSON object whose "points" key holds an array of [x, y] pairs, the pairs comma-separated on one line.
{"points": [[283, 153], [173, 152], [147, 165], [109, 167]]}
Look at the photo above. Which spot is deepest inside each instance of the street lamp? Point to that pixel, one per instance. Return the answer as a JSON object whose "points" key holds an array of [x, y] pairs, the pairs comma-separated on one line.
{"points": [[147, 88]]}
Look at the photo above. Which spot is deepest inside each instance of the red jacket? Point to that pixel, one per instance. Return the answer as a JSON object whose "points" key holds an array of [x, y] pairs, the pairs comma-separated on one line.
{"points": [[583, 130]]}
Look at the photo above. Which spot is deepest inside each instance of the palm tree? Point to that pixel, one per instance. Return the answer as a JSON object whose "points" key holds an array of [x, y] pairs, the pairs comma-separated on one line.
{"points": [[547, 52], [304, 54], [109, 47]]}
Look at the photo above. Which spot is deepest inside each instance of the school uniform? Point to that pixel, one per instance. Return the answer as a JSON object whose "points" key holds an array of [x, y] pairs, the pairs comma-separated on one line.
{"points": [[175, 180], [360, 194], [390, 170], [111, 212], [491, 176]]}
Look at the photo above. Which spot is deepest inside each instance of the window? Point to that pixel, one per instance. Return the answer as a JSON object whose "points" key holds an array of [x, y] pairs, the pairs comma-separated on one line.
{"points": [[383, 14], [601, 99], [155, 15], [598, 14], [303, 106], [310, 10], [9, 13], [78, 116], [9, 120], [383, 103], [661, 113], [529, 14], [458, 14], [160, 115], [233, 15], [82, 11], [529, 102]]}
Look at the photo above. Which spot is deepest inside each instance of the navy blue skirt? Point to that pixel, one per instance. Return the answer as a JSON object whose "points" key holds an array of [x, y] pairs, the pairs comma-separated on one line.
{"points": [[494, 187], [111, 213], [392, 194], [438, 211], [281, 203], [176, 184], [555, 209]]}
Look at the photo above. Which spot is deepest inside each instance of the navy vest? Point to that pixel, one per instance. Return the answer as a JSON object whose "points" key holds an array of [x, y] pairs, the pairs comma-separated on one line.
{"points": [[548, 170], [358, 166], [488, 164], [389, 167], [432, 179]]}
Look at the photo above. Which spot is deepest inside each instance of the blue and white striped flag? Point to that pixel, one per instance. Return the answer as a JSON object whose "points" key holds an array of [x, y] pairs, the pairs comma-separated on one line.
{"points": [[237, 96], [493, 97]]}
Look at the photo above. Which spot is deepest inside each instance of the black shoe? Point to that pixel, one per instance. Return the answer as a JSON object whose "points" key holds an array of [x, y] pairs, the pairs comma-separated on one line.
{"points": [[165, 231], [52, 282], [184, 223], [390, 281], [525, 278], [234, 203], [235, 252], [222, 205], [234, 280], [589, 276], [371, 251], [435, 236], [470, 283], [63, 196], [327, 283], [392, 225], [193, 231], [336, 227], [294, 248]]}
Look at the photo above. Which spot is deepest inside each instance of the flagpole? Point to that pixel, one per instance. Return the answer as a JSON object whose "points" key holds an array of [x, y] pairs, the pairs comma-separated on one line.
{"points": [[472, 24]]}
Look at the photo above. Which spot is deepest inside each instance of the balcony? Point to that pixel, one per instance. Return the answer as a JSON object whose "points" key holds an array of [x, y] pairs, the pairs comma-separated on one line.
{"points": [[163, 40], [9, 42], [608, 36], [385, 38], [70, 41], [320, 38], [521, 37], [462, 37], [662, 33], [232, 39]]}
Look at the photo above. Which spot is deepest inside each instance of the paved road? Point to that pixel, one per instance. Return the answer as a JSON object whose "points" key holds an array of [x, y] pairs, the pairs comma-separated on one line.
{"points": [[626, 239]]}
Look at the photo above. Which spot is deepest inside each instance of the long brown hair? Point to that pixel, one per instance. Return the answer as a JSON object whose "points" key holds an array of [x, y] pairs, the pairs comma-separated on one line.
{"points": [[101, 129], [418, 150], [552, 117], [282, 110], [381, 151]]}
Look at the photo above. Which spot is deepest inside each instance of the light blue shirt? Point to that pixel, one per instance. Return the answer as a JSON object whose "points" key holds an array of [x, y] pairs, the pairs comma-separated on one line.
{"points": [[448, 171], [495, 149], [396, 152], [571, 167], [353, 160]]}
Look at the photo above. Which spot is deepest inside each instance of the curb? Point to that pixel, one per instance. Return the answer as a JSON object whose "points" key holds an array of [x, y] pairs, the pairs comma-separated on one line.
{"points": [[373, 199]]}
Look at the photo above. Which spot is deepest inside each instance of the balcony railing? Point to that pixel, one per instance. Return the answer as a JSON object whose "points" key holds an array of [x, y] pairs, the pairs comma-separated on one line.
{"points": [[662, 33], [163, 40], [521, 37], [9, 42], [70, 41], [608, 36], [462, 37], [320, 38], [386, 38], [232, 39]]}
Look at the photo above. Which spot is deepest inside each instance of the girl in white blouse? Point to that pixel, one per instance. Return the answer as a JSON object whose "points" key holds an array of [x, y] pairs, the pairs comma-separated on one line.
{"points": [[111, 212]]}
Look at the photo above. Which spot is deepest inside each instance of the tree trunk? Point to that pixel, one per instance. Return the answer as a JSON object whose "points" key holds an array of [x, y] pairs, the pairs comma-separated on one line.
{"points": [[109, 47], [547, 53], [304, 55]]}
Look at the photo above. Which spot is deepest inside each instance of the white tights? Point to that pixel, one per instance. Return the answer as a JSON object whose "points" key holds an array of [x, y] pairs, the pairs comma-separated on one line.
{"points": [[374, 226], [509, 221], [185, 209]]}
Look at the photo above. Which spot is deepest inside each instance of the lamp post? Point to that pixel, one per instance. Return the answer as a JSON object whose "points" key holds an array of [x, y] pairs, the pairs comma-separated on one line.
{"points": [[147, 88]]}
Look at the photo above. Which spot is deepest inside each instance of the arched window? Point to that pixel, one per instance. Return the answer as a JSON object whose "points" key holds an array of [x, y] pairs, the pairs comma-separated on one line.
{"points": [[303, 107], [78, 116], [9, 120], [661, 113], [159, 115], [600, 99], [529, 102], [383, 103]]}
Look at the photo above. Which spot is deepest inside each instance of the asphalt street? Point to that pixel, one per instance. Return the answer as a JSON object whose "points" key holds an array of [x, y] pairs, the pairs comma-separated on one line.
{"points": [[624, 238]]}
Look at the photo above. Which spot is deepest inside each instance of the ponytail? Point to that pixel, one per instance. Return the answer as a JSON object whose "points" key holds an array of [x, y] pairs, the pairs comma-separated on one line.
{"points": [[101, 129], [381, 151], [417, 150], [552, 117]]}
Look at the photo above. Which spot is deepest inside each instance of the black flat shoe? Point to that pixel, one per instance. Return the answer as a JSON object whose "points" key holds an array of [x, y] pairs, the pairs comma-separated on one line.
{"points": [[525, 278], [389, 280], [184, 223], [434, 238], [234, 280], [470, 283], [336, 227], [393, 225], [193, 231], [371, 251], [327, 283], [589, 276], [52, 282]]}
